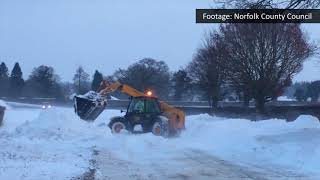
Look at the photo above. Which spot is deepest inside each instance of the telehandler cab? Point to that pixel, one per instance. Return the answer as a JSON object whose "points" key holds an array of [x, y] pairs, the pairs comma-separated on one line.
{"points": [[144, 111]]}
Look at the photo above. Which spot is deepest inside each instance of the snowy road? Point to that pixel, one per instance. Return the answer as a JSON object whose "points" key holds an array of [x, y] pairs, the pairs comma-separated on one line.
{"points": [[189, 165], [56, 144]]}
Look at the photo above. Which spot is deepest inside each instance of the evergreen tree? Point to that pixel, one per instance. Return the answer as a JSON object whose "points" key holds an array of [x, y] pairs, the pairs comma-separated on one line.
{"points": [[81, 81], [4, 74], [97, 78], [4, 79], [16, 81]]}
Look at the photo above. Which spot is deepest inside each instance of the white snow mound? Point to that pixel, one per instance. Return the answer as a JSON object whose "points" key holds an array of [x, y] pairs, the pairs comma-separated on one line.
{"points": [[284, 98], [306, 121], [53, 124], [59, 135], [4, 104]]}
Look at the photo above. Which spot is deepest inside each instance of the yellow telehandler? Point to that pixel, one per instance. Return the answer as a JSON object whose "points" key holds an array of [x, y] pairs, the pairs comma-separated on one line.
{"points": [[144, 111]]}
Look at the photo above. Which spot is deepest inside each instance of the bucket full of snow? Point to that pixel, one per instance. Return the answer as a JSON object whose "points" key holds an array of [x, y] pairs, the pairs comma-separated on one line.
{"points": [[89, 106]]}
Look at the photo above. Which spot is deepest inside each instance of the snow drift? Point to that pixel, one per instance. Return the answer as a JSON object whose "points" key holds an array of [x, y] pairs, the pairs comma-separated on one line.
{"points": [[3, 104], [55, 143]]}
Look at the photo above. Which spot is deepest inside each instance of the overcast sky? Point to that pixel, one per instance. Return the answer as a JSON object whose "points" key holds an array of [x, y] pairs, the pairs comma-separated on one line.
{"points": [[106, 34]]}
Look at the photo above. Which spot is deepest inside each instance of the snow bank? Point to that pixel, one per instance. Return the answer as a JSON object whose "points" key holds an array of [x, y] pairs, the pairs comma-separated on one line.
{"points": [[271, 143], [293, 144], [46, 144], [305, 121], [23, 105], [3, 104], [53, 123], [284, 98], [55, 143], [16, 117]]}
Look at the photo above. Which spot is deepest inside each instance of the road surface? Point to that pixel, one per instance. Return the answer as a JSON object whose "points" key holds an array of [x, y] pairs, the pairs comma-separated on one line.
{"points": [[190, 165]]}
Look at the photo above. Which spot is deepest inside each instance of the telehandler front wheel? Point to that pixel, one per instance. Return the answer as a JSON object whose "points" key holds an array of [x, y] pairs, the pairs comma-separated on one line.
{"points": [[117, 125], [161, 127]]}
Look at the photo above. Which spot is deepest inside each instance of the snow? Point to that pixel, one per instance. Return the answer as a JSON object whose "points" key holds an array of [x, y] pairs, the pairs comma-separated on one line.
{"points": [[285, 98], [55, 144], [23, 105], [51, 144], [114, 98], [266, 142], [92, 95], [137, 128], [3, 104]]}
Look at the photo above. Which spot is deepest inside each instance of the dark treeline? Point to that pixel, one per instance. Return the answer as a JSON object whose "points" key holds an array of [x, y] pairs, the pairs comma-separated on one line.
{"points": [[43, 82], [304, 91], [238, 62]]}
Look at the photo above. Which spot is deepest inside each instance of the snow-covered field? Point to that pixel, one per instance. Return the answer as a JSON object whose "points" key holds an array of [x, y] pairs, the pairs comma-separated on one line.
{"points": [[56, 144]]}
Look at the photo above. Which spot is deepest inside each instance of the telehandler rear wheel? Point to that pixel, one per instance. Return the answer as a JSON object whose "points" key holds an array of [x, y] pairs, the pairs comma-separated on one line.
{"points": [[161, 127]]}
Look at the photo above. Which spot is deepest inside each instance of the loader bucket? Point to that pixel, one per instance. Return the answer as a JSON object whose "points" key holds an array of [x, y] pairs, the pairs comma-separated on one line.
{"points": [[88, 109]]}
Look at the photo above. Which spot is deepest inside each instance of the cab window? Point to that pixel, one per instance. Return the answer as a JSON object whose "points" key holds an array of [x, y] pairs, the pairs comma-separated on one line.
{"points": [[136, 106], [152, 106]]}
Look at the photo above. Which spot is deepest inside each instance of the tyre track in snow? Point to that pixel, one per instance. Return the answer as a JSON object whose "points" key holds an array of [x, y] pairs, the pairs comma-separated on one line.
{"points": [[227, 170], [191, 164]]}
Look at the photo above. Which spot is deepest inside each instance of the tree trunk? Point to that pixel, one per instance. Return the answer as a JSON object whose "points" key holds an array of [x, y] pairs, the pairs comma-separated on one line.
{"points": [[214, 103], [260, 102], [246, 99]]}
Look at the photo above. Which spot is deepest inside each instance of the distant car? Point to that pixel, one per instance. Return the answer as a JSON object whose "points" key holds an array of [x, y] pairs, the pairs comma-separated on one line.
{"points": [[46, 105]]}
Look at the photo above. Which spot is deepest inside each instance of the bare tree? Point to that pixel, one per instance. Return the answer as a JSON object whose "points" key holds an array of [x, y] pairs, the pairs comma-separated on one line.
{"points": [[43, 82], [261, 4], [263, 58], [181, 85], [205, 69], [81, 81], [147, 74]]}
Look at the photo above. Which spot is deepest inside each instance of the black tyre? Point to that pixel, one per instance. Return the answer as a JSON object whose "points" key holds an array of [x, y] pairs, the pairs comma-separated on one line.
{"points": [[118, 124], [161, 127]]}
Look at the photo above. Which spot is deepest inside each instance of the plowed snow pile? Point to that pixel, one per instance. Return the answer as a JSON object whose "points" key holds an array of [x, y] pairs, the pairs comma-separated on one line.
{"points": [[3, 104], [55, 144]]}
